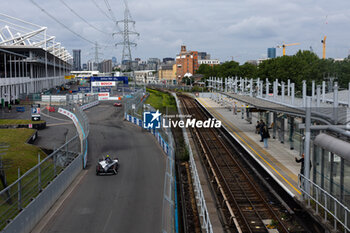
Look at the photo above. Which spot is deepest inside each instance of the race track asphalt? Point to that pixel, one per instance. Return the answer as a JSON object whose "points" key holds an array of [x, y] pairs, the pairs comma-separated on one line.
{"points": [[130, 201]]}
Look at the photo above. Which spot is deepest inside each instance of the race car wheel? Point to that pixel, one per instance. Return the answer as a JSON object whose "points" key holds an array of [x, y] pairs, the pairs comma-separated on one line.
{"points": [[115, 169], [97, 170]]}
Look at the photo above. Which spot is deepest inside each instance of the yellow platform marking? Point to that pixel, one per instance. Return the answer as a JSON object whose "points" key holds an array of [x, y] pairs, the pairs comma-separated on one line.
{"points": [[231, 126]]}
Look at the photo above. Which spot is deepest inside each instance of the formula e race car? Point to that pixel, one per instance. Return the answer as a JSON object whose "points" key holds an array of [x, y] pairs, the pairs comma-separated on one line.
{"points": [[107, 166], [118, 104]]}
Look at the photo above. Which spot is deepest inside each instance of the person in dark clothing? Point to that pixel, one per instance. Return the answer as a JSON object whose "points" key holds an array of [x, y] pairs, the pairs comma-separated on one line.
{"points": [[265, 135], [257, 127], [262, 124], [108, 159], [302, 161]]}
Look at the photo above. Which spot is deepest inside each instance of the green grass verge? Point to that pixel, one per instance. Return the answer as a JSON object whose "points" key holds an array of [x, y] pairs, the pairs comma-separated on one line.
{"points": [[19, 154], [18, 122], [161, 100]]}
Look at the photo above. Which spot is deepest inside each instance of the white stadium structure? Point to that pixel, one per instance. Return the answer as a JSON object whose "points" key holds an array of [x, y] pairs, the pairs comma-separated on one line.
{"points": [[30, 60]]}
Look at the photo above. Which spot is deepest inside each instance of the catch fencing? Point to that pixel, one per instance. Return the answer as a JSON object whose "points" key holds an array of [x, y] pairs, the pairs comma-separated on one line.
{"points": [[134, 108], [15, 197], [26, 200]]}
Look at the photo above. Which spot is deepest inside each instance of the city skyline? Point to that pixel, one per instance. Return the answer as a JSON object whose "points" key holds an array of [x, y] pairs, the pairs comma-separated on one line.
{"points": [[225, 29]]}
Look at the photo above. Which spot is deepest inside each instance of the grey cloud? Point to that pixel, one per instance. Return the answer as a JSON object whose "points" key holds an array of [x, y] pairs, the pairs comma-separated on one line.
{"points": [[243, 29]]}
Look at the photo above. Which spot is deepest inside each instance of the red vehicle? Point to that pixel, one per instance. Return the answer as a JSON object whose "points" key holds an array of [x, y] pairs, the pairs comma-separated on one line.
{"points": [[117, 104]]}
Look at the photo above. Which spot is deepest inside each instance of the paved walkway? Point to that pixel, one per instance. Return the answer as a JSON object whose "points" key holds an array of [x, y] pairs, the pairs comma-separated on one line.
{"points": [[278, 159]]}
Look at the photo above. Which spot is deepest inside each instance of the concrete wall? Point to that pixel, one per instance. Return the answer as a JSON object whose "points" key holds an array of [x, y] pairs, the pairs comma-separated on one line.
{"points": [[32, 214]]}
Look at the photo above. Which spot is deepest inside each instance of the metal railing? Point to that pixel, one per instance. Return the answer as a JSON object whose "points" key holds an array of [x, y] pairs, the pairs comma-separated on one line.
{"points": [[20, 193], [200, 200], [325, 204], [15, 197], [135, 103], [134, 112]]}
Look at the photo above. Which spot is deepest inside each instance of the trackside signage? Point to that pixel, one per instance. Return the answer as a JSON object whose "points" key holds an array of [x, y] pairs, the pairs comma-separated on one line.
{"points": [[73, 118], [154, 120], [103, 84], [103, 96]]}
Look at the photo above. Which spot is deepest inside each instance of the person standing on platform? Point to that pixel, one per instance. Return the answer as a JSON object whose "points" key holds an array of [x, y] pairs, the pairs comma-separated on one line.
{"points": [[302, 161], [257, 127], [235, 108], [262, 124], [265, 135]]}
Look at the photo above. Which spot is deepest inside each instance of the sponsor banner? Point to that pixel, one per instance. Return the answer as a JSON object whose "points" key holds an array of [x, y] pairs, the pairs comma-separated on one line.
{"points": [[35, 112], [94, 89], [103, 96], [89, 105], [73, 117], [124, 79], [115, 98], [103, 84]]}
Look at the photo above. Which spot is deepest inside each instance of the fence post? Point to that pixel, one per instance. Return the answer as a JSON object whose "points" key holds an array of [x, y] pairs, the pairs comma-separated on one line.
{"points": [[67, 150], [325, 205], [335, 215], [54, 165], [317, 201], [39, 173], [19, 190]]}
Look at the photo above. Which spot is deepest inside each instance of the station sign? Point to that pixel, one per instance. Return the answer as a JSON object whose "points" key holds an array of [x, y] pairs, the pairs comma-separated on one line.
{"points": [[103, 84], [35, 112]]}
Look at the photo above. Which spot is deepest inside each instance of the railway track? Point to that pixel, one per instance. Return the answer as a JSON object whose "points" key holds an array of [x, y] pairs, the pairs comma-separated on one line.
{"points": [[245, 208]]}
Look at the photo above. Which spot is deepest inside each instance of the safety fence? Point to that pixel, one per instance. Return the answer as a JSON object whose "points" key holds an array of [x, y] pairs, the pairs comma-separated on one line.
{"points": [[134, 108], [15, 197], [325, 204], [168, 221], [200, 200], [17, 200], [163, 142]]}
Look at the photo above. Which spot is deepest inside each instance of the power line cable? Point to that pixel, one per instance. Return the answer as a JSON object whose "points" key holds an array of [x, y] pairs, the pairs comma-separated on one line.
{"points": [[112, 14], [63, 25], [102, 11], [74, 12], [110, 10]]}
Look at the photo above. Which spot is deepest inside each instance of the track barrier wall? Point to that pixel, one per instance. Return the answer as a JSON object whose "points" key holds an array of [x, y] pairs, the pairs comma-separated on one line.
{"points": [[25, 201], [133, 113]]}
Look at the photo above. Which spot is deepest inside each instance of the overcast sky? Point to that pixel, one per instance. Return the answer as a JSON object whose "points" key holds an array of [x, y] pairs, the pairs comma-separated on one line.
{"points": [[224, 28]]}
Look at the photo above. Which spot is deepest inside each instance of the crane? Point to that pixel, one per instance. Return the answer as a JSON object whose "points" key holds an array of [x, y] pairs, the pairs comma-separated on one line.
{"points": [[284, 47], [324, 47]]}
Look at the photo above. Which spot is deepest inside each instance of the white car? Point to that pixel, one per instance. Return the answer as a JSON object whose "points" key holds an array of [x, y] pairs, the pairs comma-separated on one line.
{"points": [[107, 166]]}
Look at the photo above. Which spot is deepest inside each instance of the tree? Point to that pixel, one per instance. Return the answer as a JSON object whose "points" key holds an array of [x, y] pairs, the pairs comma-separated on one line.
{"points": [[304, 65]]}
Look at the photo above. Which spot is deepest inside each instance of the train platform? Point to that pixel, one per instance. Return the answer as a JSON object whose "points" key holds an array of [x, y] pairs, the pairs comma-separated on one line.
{"points": [[278, 160]]}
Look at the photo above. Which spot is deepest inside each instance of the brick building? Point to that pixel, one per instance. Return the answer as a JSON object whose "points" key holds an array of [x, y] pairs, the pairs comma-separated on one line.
{"points": [[167, 74], [186, 62]]}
